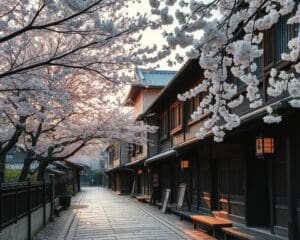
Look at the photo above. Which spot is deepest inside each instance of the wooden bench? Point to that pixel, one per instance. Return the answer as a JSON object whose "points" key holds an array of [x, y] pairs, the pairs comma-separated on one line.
{"points": [[143, 198], [211, 222], [57, 207], [234, 232]]}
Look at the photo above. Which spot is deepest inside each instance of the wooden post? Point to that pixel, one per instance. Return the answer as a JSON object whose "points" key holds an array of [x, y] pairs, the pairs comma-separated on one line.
{"points": [[271, 197], [17, 205], [228, 184], [44, 202], [29, 208], [52, 196], [0, 206], [291, 192], [78, 181]]}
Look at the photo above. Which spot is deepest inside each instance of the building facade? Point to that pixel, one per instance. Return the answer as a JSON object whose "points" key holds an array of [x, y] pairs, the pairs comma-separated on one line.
{"points": [[252, 176]]}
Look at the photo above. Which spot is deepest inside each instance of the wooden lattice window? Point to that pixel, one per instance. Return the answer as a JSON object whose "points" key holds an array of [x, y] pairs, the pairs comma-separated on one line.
{"points": [[164, 125], [176, 115], [192, 105]]}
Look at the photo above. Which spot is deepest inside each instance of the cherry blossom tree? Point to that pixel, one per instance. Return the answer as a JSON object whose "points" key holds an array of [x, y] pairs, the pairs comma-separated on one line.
{"points": [[72, 114], [47, 43], [226, 36]]}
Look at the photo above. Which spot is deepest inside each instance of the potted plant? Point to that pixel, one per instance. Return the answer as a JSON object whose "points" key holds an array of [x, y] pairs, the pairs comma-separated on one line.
{"points": [[65, 200]]}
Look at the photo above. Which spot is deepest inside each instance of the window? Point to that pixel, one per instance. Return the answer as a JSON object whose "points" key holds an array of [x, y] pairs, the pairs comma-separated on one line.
{"points": [[276, 40], [139, 149], [176, 115], [281, 37], [132, 149], [115, 152], [164, 125], [268, 47], [192, 105]]}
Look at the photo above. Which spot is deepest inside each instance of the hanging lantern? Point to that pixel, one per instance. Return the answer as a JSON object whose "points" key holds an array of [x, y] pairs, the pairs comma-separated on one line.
{"points": [[184, 164], [264, 146]]}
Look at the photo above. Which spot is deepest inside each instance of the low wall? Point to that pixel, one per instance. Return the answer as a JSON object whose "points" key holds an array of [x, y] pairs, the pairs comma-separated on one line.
{"points": [[19, 230]]}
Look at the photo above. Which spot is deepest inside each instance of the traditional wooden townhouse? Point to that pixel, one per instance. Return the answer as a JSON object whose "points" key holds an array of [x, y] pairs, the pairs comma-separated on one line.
{"points": [[252, 176], [141, 96], [119, 176], [126, 161]]}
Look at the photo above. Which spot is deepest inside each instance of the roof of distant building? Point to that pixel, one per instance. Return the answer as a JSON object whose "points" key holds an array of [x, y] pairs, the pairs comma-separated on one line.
{"points": [[148, 79], [155, 78], [174, 86]]}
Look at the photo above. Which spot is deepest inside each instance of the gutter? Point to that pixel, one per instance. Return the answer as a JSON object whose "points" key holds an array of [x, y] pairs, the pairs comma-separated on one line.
{"points": [[167, 154], [135, 162]]}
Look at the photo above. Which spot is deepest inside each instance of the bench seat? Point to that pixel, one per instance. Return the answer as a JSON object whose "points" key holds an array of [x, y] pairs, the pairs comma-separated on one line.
{"points": [[211, 222], [234, 232], [143, 198]]}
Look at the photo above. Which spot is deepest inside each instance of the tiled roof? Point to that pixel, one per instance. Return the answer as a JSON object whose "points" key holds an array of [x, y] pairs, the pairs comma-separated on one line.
{"points": [[155, 77], [33, 165]]}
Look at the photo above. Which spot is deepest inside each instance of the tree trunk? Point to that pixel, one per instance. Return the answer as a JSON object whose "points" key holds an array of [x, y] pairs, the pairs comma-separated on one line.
{"points": [[2, 167], [41, 171], [26, 168]]}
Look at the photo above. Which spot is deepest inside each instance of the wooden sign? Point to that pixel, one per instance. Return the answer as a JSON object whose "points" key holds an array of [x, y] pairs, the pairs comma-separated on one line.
{"points": [[166, 200], [180, 196]]}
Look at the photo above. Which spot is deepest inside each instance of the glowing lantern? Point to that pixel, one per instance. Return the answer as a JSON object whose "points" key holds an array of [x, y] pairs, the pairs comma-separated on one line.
{"points": [[184, 164], [264, 146]]}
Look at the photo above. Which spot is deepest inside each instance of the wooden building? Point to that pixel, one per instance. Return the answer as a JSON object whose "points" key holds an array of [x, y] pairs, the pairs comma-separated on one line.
{"points": [[120, 177], [251, 177], [126, 161]]}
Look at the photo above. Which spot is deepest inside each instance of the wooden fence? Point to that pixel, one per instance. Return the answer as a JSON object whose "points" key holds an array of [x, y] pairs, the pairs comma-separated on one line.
{"points": [[18, 200]]}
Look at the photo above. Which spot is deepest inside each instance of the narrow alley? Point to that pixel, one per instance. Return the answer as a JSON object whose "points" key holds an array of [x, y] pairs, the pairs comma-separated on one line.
{"points": [[97, 213]]}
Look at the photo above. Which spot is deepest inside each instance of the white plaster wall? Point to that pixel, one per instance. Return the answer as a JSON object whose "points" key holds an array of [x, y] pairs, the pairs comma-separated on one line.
{"points": [[18, 230]]}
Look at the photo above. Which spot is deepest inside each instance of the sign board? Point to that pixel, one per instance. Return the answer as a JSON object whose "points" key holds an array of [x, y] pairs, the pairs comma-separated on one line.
{"points": [[166, 200], [180, 196]]}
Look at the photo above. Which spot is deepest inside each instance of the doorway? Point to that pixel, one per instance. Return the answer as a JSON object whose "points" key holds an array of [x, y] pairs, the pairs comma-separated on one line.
{"points": [[258, 192]]}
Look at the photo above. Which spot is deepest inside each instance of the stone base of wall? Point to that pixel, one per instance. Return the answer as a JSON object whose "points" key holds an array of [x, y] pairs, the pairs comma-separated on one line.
{"points": [[19, 230]]}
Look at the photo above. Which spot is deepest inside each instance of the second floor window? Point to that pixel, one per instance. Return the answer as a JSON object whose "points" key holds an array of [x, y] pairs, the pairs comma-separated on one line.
{"points": [[139, 149], [176, 115], [192, 105], [276, 40], [116, 152], [164, 125], [135, 149]]}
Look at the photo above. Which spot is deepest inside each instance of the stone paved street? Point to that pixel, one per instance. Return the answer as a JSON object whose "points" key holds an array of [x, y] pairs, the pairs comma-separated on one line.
{"points": [[100, 214]]}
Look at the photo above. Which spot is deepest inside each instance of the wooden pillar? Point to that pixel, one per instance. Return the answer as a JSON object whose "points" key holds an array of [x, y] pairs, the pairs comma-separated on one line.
{"points": [[78, 181], [228, 184], [213, 165], [0, 206], [29, 209], [52, 196], [44, 203], [291, 192], [271, 193]]}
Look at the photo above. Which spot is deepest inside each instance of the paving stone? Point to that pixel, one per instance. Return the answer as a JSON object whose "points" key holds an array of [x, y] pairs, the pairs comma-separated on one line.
{"points": [[97, 214]]}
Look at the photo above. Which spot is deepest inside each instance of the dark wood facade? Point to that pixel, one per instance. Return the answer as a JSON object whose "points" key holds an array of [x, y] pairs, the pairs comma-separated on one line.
{"points": [[227, 179]]}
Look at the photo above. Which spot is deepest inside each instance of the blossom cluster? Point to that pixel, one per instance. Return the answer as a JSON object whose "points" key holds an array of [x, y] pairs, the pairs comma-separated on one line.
{"points": [[229, 50]]}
